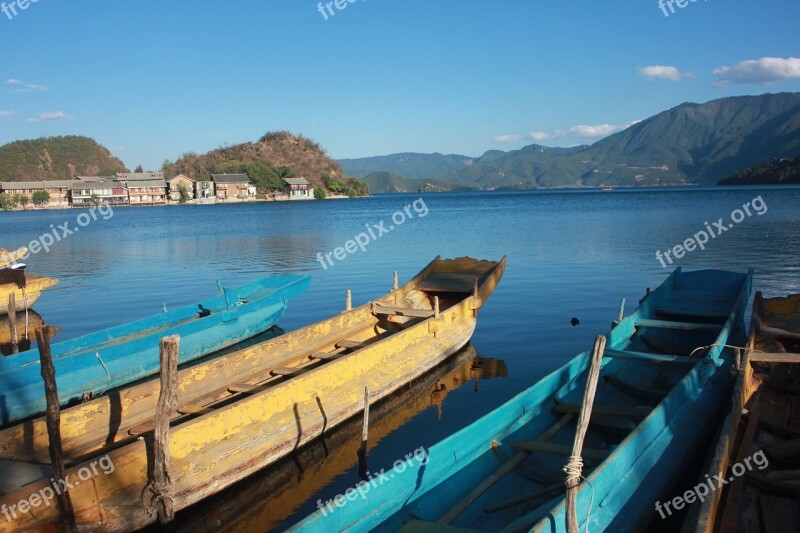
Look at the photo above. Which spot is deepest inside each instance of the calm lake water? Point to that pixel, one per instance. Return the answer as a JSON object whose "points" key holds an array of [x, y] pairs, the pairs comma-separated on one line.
{"points": [[570, 254]]}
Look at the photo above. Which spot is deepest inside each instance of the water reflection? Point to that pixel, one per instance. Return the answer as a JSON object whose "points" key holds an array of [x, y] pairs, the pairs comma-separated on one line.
{"points": [[265, 500]]}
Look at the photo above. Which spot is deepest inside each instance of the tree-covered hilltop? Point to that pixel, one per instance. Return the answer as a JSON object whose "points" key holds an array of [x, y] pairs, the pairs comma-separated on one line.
{"points": [[274, 156], [56, 158], [777, 172]]}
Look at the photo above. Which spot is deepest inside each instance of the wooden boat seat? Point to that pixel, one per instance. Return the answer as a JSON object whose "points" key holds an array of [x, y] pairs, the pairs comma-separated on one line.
{"points": [[325, 356], [668, 324], [421, 526], [761, 357], [288, 372], [350, 345], [650, 357], [635, 390], [448, 282], [190, 409], [637, 413], [402, 311], [532, 446]]}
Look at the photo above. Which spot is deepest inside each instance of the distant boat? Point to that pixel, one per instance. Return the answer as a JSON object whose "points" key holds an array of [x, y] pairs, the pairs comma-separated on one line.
{"points": [[89, 365], [27, 288], [761, 430], [244, 411], [650, 415], [606, 189]]}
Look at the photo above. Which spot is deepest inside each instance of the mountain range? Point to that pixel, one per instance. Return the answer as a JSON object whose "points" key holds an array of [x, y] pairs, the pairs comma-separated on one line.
{"points": [[688, 144]]}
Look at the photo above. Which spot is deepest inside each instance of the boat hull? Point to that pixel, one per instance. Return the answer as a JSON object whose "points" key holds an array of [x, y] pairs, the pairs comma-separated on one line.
{"points": [[631, 475], [98, 362]]}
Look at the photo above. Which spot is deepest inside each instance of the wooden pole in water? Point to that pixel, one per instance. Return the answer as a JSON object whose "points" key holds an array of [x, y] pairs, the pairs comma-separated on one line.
{"points": [[621, 310], [574, 464], [396, 284], [159, 475], [12, 322], [348, 301], [54, 425], [365, 423]]}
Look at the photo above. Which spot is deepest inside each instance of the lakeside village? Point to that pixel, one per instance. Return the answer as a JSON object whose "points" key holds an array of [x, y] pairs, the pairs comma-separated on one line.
{"points": [[147, 189]]}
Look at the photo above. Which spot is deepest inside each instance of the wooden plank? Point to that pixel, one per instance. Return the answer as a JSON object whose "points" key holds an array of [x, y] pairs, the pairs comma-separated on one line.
{"points": [[12, 322], [650, 357], [778, 514], [669, 324], [402, 311], [323, 356], [730, 514], [634, 390], [761, 357], [637, 413], [498, 474], [784, 450], [532, 446]]}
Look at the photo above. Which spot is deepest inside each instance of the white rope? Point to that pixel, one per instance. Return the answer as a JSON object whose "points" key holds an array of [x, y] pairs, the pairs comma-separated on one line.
{"points": [[574, 471], [108, 374], [713, 345]]}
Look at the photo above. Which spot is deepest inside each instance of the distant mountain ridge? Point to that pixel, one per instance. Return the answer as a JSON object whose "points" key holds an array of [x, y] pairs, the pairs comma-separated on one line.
{"points": [[409, 165], [56, 158], [688, 144]]}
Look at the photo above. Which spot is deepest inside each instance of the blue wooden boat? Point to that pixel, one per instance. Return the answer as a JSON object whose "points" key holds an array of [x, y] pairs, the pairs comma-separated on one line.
{"points": [[92, 364], [666, 375]]}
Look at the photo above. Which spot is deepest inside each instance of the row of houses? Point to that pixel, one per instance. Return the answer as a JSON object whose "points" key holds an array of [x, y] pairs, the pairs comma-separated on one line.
{"points": [[147, 188]]}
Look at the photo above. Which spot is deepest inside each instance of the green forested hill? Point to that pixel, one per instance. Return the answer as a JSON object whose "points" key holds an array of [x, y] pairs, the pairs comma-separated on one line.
{"points": [[56, 158], [778, 172]]}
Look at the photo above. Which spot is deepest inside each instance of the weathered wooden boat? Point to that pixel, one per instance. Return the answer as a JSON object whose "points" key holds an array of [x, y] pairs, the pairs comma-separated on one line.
{"points": [[240, 413], [758, 452], [264, 500], [504, 472], [27, 288], [92, 364]]}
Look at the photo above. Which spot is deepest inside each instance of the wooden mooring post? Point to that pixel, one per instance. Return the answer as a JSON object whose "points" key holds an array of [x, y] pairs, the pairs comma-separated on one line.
{"points": [[396, 283], [159, 476], [348, 300], [363, 471], [575, 463], [54, 425], [12, 322]]}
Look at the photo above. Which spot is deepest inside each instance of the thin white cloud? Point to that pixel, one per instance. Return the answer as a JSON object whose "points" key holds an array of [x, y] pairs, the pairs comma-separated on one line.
{"points": [[759, 71], [32, 88], [55, 115], [12, 81], [506, 139], [581, 131], [6, 114], [663, 72]]}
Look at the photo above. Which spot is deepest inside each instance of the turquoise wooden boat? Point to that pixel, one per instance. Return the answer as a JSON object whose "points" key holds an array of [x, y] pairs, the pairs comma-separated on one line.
{"points": [[95, 363], [654, 406]]}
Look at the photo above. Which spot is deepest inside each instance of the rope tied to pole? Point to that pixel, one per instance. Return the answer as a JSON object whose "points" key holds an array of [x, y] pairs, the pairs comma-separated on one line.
{"points": [[706, 348], [574, 471]]}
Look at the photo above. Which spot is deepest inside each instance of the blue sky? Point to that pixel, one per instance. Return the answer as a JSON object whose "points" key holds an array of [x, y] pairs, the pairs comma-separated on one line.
{"points": [[151, 80]]}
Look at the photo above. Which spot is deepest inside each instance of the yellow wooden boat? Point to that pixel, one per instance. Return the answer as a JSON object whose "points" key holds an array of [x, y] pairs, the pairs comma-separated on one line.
{"points": [[758, 451], [26, 326], [264, 500], [242, 412], [27, 294]]}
